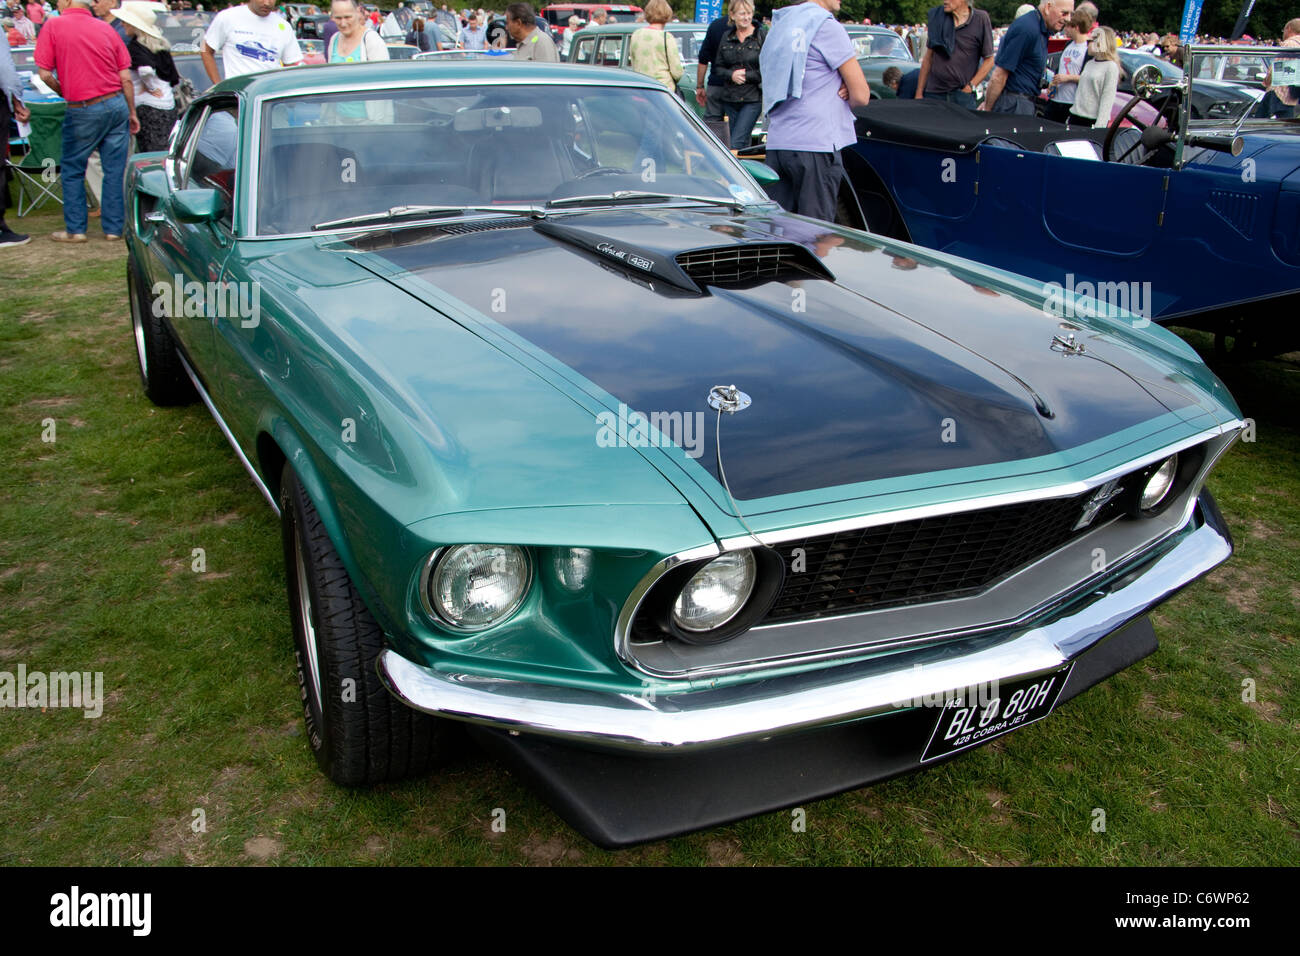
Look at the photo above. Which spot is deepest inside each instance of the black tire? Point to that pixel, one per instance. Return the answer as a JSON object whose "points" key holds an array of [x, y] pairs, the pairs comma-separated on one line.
{"points": [[161, 373], [360, 733]]}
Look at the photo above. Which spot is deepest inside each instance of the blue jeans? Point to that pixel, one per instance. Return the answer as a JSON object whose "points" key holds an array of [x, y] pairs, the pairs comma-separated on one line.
{"points": [[103, 126], [956, 96], [1017, 103], [742, 117]]}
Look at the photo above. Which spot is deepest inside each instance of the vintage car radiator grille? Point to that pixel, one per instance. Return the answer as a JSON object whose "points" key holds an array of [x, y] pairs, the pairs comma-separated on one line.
{"points": [[749, 263], [931, 559]]}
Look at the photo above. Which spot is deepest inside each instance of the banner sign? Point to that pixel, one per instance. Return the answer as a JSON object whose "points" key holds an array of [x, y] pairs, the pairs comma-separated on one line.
{"points": [[706, 11], [1240, 27], [1191, 20]]}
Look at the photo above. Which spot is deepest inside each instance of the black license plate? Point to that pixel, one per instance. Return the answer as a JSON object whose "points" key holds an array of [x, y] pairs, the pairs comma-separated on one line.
{"points": [[968, 719]]}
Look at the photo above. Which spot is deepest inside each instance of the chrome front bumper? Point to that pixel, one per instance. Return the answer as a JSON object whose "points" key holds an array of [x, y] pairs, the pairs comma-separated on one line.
{"points": [[674, 721]]}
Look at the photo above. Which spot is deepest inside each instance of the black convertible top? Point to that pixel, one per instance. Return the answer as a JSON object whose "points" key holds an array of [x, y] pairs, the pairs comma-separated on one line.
{"points": [[933, 124]]}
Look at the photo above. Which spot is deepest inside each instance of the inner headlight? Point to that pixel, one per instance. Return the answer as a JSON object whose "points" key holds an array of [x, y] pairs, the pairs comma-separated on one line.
{"points": [[572, 567], [716, 593], [1158, 484], [473, 586]]}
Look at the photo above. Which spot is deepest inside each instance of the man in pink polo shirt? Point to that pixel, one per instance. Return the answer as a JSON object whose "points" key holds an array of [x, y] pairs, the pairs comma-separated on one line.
{"points": [[95, 80]]}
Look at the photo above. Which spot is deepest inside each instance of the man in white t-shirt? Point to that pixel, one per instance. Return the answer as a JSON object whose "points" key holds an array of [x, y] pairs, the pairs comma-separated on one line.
{"points": [[251, 37]]}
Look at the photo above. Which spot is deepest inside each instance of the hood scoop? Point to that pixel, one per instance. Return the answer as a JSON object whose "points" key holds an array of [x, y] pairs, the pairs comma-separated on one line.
{"points": [[742, 266], [734, 265]]}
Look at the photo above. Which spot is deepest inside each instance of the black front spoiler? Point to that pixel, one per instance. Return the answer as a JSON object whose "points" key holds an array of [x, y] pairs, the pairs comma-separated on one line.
{"points": [[618, 800]]}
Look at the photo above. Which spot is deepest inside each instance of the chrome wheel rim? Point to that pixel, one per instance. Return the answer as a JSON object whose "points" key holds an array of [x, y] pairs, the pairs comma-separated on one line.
{"points": [[304, 612], [137, 326]]}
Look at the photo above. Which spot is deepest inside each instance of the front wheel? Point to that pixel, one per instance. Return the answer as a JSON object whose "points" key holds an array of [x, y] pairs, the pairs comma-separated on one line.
{"points": [[161, 373], [359, 732]]}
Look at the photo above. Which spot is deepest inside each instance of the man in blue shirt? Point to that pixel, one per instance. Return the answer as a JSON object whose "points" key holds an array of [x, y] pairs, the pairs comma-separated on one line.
{"points": [[1018, 68]]}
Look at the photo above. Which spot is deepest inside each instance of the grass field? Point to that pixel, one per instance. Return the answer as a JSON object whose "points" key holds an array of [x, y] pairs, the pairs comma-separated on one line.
{"points": [[97, 535]]}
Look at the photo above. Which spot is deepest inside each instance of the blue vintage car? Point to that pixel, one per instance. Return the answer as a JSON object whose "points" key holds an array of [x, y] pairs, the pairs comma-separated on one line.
{"points": [[1195, 222], [687, 507]]}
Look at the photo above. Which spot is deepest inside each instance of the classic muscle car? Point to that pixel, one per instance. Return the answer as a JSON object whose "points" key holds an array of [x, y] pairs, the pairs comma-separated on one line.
{"points": [[687, 507], [1211, 191]]}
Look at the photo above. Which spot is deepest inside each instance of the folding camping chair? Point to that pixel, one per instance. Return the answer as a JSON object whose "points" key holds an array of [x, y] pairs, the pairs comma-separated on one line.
{"points": [[37, 172]]}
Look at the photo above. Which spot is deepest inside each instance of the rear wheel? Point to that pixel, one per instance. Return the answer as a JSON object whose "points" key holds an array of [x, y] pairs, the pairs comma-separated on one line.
{"points": [[161, 373], [358, 731]]}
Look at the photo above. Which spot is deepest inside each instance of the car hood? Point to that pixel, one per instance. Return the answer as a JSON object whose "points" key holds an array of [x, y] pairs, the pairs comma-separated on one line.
{"points": [[864, 360]]}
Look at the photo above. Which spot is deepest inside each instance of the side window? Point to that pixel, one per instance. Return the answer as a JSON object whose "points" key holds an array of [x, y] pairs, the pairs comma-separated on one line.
{"points": [[583, 53], [212, 165], [611, 51], [177, 162]]}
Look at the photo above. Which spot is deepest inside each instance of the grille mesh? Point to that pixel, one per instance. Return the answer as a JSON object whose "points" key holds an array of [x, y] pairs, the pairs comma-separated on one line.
{"points": [[930, 559], [746, 263]]}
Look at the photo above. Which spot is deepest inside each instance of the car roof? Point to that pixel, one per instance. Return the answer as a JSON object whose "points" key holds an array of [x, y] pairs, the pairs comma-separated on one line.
{"points": [[594, 30], [402, 73]]}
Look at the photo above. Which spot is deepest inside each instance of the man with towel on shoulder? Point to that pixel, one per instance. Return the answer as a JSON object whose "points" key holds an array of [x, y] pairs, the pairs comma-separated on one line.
{"points": [[811, 82]]}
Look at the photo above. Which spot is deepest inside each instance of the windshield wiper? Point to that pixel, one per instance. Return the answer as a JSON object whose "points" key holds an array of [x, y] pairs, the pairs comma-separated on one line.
{"points": [[397, 213], [636, 195]]}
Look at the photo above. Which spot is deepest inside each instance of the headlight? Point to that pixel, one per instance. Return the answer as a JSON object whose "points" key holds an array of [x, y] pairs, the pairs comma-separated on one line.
{"points": [[716, 593], [572, 567], [473, 586], [1158, 485]]}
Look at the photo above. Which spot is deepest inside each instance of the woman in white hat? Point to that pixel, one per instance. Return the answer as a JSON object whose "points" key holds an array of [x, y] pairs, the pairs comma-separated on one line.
{"points": [[153, 73]]}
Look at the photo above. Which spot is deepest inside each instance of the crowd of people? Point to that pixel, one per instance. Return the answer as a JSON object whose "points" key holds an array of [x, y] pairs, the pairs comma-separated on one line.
{"points": [[110, 62]]}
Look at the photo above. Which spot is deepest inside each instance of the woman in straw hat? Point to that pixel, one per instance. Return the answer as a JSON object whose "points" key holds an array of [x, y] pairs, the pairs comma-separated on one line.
{"points": [[152, 72]]}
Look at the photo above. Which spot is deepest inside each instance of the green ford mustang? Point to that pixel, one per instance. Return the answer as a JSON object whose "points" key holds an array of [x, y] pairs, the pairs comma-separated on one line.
{"points": [[583, 444]]}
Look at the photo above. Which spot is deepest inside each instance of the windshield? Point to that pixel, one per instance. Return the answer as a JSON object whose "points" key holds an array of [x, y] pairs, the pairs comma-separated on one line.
{"points": [[191, 68], [332, 157], [184, 29], [1246, 70], [1255, 87], [888, 45], [690, 44], [1132, 61]]}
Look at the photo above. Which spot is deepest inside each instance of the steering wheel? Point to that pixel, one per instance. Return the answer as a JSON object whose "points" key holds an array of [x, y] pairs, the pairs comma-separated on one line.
{"points": [[601, 171], [1162, 122]]}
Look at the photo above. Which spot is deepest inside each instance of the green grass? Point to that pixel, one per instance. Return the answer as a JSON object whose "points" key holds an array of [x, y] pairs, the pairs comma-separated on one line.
{"points": [[96, 536]]}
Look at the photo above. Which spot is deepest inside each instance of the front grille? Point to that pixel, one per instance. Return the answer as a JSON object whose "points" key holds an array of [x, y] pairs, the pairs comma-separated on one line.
{"points": [[752, 262], [930, 559]]}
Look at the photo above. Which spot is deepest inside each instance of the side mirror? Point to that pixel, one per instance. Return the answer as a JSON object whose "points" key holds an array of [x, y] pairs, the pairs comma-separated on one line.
{"points": [[762, 172], [198, 205], [1145, 79], [153, 183]]}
